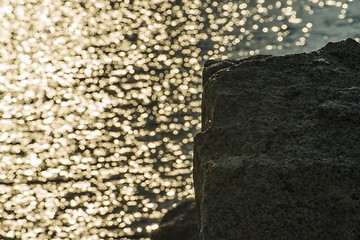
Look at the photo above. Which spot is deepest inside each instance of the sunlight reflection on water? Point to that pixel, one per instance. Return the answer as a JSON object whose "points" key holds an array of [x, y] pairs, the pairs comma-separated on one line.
{"points": [[100, 101]]}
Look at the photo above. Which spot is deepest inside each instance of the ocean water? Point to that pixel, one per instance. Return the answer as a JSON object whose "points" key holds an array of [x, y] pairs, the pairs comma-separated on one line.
{"points": [[100, 100]]}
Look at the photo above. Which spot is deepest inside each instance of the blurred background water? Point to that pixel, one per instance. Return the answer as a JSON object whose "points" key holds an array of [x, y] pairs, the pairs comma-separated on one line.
{"points": [[100, 100]]}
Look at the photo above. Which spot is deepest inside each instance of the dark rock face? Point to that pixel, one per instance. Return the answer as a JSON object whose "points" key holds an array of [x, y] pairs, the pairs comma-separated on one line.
{"points": [[278, 156], [180, 223]]}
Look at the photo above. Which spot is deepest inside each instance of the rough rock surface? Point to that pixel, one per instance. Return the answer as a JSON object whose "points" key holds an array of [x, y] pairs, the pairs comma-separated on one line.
{"points": [[179, 223], [278, 156]]}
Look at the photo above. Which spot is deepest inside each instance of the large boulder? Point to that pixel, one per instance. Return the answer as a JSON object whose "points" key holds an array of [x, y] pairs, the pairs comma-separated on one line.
{"points": [[278, 156]]}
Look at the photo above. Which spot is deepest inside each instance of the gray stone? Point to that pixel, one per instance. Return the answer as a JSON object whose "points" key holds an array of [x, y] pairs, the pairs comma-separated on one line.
{"points": [[278, 156], [179, 223]]}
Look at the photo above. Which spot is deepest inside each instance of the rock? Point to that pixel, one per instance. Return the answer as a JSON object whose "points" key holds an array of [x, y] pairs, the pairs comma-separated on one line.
{"points": [[179, 223], [278, 156]]}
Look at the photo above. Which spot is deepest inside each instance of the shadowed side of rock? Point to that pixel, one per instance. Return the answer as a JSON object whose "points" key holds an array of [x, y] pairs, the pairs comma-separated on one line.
{"points": [[278, 155]]}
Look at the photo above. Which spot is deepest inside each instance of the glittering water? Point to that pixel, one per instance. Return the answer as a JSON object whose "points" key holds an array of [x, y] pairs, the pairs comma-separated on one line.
{"points": [[100, 100]]}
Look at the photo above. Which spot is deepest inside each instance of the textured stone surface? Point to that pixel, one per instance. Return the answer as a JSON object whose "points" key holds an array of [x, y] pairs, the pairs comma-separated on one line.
{"points": [[278, 156], [179, 223]]}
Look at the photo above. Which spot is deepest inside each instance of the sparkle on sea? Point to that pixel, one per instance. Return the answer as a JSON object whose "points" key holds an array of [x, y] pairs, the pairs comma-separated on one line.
{"points": [[100, 100]]}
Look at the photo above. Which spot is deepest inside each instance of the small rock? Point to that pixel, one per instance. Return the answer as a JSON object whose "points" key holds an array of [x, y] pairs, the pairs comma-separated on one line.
{"points": [[179, 223]]}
